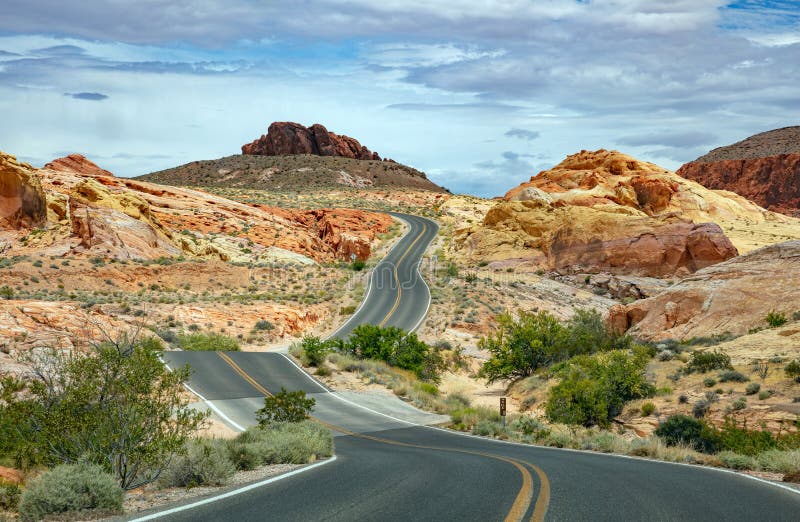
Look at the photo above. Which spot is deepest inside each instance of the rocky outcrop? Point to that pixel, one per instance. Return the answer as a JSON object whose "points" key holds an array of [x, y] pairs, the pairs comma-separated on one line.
{"points": [[77, 163], [604, 211], [764, 168], [22, 200], [734, 296], [287, 138], [97, 214]]}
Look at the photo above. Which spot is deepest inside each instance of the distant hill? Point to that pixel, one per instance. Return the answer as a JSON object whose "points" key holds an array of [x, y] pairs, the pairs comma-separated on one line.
{"points": [[293, 173], [764, 168]]}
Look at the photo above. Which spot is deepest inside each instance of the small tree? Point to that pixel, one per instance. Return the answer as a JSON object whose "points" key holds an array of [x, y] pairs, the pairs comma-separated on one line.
{"points": [[117, 406], [285, 406], [315, 350], [520, 347]]}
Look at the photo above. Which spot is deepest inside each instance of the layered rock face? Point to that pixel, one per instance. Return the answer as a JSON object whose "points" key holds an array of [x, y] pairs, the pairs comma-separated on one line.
{"points": [[289, 138], [94, 213], [764, 168], [22, 200], [604, 211], [733, 296]]}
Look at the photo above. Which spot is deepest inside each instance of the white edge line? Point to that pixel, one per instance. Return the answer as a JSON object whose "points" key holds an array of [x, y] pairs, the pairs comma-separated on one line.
{"points": [[233, 424], [235, 492], [419, 264]]}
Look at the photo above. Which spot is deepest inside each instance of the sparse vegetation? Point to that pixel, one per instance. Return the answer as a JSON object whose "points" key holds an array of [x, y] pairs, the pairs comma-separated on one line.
{"points": [[704, 362], [208, 342], [775, 319], [71, 488], [792, 370]]}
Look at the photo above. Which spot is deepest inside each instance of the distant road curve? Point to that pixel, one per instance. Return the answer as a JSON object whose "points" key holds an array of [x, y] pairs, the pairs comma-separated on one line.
{"points": [[389, 468]]}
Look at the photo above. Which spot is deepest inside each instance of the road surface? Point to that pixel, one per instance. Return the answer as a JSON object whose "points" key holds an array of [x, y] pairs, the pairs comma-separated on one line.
{"points": [[390, 466]]}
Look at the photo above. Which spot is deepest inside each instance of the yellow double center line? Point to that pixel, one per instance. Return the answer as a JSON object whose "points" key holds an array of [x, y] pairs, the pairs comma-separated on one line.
{"points": [[521, 502], [397, 276]]}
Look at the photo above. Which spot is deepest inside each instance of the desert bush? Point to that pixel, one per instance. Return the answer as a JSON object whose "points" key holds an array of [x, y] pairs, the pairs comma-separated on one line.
{"points": [[732, 376], [764, 395], [395, 347], [285, 406], [780, 461], [117, 407], [703, 362], [530, 426], [593, 389], [488, 428], [648, 408], [466, 419], [358, 265], [739, 404], [775, 319], [604, 442], [202, 342], [792, 370], [709, 382], [682, 429], [10, 493], [6, 292], [206, 462], [735, 461], [263, 326], [70, 488], [752, 388], [521, 346], [314, 350]]}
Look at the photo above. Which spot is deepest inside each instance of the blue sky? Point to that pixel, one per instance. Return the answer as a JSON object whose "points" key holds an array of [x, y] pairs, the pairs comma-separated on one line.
{"points": [[481, 95]]}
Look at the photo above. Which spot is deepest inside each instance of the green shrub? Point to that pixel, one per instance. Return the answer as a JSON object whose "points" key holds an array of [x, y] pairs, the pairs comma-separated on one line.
{"points": [[648, 408], [703, 362], [739, 404], [709, 382], [488, 428], [780, 461], [521, 346], [764, 395], [735, 461], [10, 493], [70, 488], [732, 376], [314, 350], [206, 462], [793, 370], [775, 319], [594, 389], [347, 310], [6, 292], [283, 443], [531, 427], [752, 388], [263, 326], [116, 406], [685, 430], [285, 406], [358, 265], [395, 347], [208, 342]]}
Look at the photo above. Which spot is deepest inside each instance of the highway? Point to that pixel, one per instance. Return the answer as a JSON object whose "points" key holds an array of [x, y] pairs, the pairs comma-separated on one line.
{"points": [[391, 467]]}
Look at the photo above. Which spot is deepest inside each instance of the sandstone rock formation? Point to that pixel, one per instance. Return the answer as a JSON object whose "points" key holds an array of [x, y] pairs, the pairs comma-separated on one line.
{"points": [[95, 213], [764, 168], [77, 163], [733, 296], [22, 201], [287, 138], [604, 211]]}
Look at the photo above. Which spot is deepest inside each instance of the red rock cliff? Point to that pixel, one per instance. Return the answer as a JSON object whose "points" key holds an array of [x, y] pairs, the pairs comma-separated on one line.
{"points": [[286, 138], [764, 168]]}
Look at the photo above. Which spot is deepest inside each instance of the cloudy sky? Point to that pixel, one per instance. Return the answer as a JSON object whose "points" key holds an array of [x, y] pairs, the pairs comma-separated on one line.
{"points": [[479, 94]]}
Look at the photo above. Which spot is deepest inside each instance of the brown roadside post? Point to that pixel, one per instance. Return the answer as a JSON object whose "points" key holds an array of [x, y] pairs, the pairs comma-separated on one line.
{"points": [[503, 410]]}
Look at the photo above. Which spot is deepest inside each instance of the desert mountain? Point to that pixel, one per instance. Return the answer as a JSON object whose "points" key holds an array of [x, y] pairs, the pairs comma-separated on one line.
{"points": [[764, 168], [298, 173], [72, 206], [604, 211], [285, 138]]}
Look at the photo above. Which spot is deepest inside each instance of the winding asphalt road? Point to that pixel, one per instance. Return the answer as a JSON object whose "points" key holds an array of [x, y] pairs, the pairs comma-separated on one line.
{"points": [[388, 468]]}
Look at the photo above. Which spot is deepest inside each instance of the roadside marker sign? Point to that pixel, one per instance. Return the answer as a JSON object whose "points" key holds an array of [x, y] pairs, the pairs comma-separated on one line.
{"points": [[503, 406]]}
